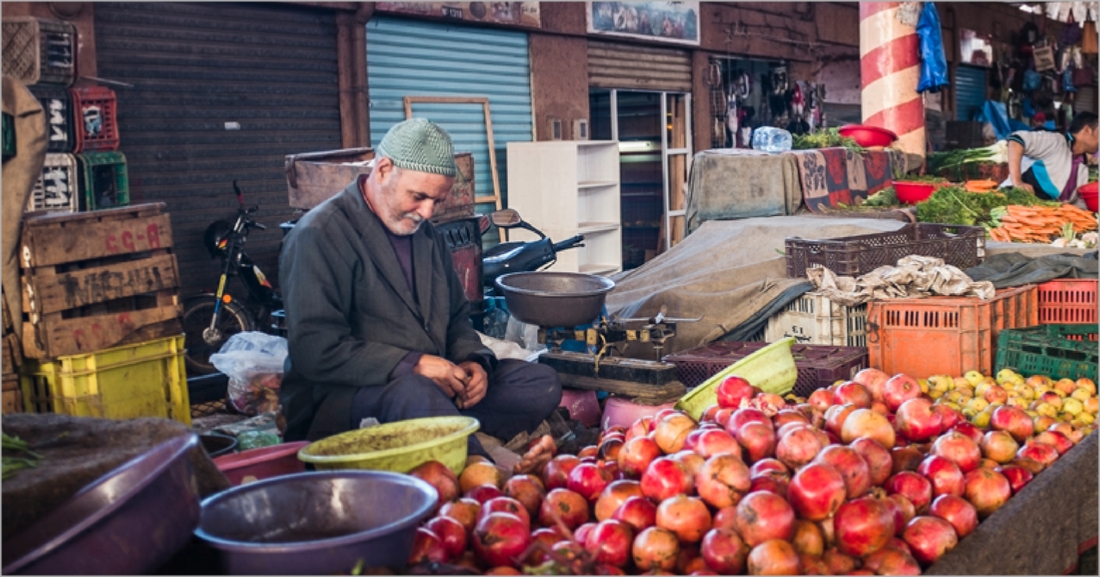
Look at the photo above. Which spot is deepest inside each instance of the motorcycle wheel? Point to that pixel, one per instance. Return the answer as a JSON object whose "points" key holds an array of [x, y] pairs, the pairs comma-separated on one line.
{"points": [[197, 313]]}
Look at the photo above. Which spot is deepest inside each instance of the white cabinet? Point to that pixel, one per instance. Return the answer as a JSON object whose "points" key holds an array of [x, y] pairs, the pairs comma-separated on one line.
{"points": [[564, 188]]}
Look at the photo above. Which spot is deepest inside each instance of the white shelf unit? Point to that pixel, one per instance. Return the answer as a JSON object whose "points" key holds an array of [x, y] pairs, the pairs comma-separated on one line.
{"points": [[565, 188]]}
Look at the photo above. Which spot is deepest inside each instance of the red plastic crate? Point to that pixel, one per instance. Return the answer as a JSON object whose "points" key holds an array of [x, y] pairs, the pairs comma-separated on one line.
{"points": [[96, 119], [1067, 301], [945, 335], [818, 365]]}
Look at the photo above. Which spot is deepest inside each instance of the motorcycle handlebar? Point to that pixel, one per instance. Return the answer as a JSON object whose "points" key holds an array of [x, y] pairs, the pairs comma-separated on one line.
{"points": [[574, 242]]}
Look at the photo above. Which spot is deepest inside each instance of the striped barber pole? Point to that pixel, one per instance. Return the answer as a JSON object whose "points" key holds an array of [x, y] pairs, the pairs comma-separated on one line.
{"points": [[889, 53]]}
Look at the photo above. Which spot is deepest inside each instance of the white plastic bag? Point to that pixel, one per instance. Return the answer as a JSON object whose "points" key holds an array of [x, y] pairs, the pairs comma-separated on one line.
{"points": [[253, 361]]}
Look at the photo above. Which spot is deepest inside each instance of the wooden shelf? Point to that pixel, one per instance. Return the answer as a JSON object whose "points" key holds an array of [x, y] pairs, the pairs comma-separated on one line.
{"points": [[596, 184], [596, 227]]}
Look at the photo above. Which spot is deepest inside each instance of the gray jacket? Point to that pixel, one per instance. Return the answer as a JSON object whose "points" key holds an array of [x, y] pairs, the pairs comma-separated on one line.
{"points": [[351, 316]]}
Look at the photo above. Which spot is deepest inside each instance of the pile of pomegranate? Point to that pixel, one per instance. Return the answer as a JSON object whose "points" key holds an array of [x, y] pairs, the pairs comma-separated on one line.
{"points": [[867, 477]]}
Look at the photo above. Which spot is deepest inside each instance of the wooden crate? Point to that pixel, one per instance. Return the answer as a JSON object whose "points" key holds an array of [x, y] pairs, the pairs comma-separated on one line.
{"points": [[12, 397], [98, 280]]}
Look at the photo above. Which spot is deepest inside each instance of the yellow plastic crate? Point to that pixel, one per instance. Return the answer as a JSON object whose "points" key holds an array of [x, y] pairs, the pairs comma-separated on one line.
{"points": [[142, 380]]}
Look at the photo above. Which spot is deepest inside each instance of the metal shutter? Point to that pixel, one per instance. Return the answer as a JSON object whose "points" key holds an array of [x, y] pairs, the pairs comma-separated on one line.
{"points": [[195, 67], [636, 67], [970, 83], [418, 58]]}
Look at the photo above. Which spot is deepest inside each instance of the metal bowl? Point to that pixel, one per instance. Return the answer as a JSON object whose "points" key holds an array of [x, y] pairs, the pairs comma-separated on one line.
{"points": [[554, 299], [316, 523], [216, 444], [128, 522]]}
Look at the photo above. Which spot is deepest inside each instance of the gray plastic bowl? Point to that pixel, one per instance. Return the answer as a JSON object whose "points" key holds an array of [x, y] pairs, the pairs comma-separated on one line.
{"points": [[128, 522], [554, 299], [316, 523]]}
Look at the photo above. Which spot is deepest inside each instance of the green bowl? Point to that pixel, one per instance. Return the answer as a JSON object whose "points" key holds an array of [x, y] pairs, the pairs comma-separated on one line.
{"points": [[398, 447], [771, 368]]}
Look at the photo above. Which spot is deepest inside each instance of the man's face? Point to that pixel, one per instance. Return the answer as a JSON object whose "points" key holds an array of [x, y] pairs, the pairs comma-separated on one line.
{"points": [[408, 197], [1088, 137]]}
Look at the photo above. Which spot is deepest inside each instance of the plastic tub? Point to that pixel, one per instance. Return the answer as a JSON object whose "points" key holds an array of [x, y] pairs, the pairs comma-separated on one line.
{"points": [[583, 406], [868, 136], [1088, 193], [398, 447], [620, 412], [316, 523], [772, 369], [914, 192], [262, 463]]}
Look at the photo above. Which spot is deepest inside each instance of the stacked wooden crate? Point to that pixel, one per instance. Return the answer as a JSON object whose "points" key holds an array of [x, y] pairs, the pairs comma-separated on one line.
{"points": [[101, 281], [12, 359]]}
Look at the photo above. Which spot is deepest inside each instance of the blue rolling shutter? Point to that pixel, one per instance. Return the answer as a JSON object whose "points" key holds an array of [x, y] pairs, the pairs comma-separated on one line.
{"points": [[970, 83], [419, 58]]}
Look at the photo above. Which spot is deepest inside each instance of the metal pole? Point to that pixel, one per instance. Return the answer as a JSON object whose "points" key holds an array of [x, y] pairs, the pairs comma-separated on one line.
{"points": [[889, 52]]}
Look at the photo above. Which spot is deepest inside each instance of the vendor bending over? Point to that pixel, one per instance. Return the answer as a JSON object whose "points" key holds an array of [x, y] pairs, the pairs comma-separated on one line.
{"points": [[378, 320], [1056, 163]]}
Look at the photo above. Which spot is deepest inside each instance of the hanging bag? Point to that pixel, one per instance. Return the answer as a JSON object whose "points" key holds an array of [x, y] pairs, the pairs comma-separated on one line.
{"points": [[1088, 38]]}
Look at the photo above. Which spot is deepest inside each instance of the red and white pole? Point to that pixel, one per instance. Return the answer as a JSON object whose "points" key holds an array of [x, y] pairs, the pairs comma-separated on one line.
{"points": [[889, 58]]}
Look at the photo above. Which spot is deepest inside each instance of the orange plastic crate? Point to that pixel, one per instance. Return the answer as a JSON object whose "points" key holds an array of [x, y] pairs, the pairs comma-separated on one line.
{"points": [[1067, 301], [945, 335]]}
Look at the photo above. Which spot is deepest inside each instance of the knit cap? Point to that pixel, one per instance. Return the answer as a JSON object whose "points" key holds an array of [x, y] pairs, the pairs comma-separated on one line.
{"points": [[420, 145]]}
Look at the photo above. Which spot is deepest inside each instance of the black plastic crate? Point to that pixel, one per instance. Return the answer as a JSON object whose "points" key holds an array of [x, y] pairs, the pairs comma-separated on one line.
{"points": [[818, 365], [961, 246], [57, 104]]}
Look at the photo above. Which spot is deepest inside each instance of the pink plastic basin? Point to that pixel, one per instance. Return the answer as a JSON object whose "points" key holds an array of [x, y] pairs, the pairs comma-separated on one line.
{"points": [[262, 463], [619, 412], [1088, 193], [583, 406]]}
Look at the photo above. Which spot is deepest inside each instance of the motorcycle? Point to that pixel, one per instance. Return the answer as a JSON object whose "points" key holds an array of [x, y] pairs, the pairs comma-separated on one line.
{"points": [[519, 256], [210, 318]]}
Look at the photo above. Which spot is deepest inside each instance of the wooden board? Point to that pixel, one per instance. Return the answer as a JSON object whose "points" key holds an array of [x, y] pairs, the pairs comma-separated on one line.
{"points": [[13, 354], [50, 292], [56, 239], [54, 337], [667, 392], [13, 401]]}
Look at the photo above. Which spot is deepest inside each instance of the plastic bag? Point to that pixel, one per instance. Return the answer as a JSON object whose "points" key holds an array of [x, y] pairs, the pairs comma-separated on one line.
{"points": [[253, 361], [933, 64]]}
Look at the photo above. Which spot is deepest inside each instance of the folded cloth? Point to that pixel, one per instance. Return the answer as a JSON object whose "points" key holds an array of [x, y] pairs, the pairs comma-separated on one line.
{"points": [[913, 277]]}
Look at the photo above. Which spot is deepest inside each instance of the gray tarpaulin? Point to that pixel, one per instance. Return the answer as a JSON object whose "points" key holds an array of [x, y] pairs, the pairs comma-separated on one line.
{"points": [[1013, 269], [741, 183]]}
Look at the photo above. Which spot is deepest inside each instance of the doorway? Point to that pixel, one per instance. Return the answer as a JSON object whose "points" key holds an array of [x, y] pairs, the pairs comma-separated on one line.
{"points": [[653, 130]]}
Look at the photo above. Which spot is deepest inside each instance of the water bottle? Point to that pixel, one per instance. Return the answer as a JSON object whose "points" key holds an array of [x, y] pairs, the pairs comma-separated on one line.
{"points": [[771, 139]]}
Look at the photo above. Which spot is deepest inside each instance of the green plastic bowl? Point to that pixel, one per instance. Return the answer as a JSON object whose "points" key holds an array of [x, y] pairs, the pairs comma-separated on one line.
{"points": [[397, 447], [771, 368]]}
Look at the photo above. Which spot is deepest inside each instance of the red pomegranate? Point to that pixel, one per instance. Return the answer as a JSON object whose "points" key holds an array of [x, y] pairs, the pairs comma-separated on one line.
{"points": [[505, 505], [821, 399], [589, 480], [441, 478], [731, 391], [744, 416], [863, 526], [898, 389], [945, 476], [878, 459], [774, 557], [905, 507], [500, 538], [1055, 439], [723, 480], [758, 440], [672, 430], [816, 491], [526, 489], [888, 561], [839, 563], [999, 446], [853, 393], [725, 518], [929, 538], [1040, 452], [798, 447], [451, 533], [547, 536], [427, 548], [906, 458], [836, 416], [1018, 477], [867, 423], [611, 542], [687, 517], [770, 484], [916, 421], [959, 449], [808, 538], [463, 510], [965, 428], [639, 512], [655, 549], [555, 474], [787, 416], [640, 428], [987, 490], [664, 478], [912, 486], [950, 417], [636, 455], [1014, 420], [566, 505], [762, 516], [770, 467], [714, 442], [724, 551], [853, 467], [957, 511], [874, 380], [483, 493], [614, 495]]}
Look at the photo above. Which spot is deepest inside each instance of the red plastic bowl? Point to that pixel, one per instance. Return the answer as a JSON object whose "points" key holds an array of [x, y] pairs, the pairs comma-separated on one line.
{"points": [[914, 192], [262, 463], [868, 136], [1087, 192]]}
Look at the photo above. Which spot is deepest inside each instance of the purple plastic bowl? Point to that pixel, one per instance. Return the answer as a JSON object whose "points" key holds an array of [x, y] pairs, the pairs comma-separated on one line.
{"points": [[128, 522], [318, 523]]}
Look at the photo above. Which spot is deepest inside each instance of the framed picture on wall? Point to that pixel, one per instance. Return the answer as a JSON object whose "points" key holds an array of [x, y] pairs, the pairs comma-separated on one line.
{"points": [[676, 22]]}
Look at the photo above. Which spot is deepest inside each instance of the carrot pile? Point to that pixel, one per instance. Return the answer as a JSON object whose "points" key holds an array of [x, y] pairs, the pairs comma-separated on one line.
{"points": [[1039, 223]]}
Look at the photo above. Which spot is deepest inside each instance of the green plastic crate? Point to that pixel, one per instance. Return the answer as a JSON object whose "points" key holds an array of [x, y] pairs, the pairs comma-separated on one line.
{"points": [[104, 180], [9, 136], [1057, 351]]}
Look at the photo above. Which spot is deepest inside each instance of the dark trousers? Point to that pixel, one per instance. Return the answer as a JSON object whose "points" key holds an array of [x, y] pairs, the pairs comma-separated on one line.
{"points": [[519, 397]]}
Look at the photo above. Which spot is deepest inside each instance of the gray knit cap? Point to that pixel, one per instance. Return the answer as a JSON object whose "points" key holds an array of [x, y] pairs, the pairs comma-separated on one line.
{"points": [[420, 145]]}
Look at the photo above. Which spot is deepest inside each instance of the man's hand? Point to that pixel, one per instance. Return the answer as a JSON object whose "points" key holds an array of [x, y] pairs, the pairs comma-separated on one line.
{"points": [[1026, 187], [477, 384], [449, 376]]}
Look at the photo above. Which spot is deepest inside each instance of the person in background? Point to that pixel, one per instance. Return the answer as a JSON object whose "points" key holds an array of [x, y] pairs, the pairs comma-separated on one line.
{"points": [[1052, 164], [379, 325]]}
